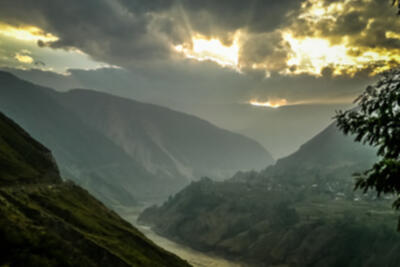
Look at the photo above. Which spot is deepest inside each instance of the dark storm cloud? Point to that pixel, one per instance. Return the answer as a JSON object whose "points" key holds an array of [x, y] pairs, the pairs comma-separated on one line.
{"points": [[268, 49], [131, 32], [350, 23], [103, 29], [124, 32], [255, 15], [143, 6], [205, 16]]}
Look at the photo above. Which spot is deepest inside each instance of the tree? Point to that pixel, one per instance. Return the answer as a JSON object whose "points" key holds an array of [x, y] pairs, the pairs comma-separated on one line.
{"points": [[376, 121]]}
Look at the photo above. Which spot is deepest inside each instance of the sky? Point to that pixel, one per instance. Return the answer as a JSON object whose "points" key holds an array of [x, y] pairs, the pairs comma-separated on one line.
{"points": [[273, 70]]}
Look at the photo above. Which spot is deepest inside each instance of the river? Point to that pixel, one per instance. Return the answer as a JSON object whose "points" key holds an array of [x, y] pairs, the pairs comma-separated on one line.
{"points": [[194, 257]]}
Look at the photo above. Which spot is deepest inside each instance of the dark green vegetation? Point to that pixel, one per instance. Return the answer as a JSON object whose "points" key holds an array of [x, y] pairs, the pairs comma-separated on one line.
{"points": [[22, 159], [47, 222], [300, 212], [376, 121], [120, 149]]}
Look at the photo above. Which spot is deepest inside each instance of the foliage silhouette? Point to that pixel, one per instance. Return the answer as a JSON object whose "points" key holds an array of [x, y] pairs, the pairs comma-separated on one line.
{"points": [[376, 121]]}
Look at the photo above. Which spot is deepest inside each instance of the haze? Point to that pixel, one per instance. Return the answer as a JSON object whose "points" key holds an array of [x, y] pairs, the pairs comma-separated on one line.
{"points": [[210, 59]]}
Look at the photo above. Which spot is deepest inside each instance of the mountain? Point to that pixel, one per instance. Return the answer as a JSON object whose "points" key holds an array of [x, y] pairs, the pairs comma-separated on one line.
{"points": [[167, 142], [84, 155], [300, 212], [47, 222], [329, 157], [122, 150]]}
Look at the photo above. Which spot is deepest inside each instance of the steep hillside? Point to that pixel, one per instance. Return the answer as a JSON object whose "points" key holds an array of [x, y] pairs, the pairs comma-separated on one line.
{"points": [[300, 212], [330, 149], [22, 159], [121, 149], [84, 155], [47, 222]]}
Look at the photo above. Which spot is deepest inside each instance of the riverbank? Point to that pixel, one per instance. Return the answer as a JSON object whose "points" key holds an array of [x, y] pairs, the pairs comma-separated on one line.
{"points": [[195, 258]]}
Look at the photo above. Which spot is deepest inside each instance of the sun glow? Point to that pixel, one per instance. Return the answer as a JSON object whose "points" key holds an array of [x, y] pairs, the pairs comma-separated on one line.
{"points": [[26, 33], [315, 10], [342, 55], [312, 55], [270, 104], [211, 49]]}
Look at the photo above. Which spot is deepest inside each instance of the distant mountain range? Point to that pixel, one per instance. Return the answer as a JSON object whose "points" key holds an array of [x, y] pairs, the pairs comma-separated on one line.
{"points": [[300, 212], [47, 222], [123, 150]]}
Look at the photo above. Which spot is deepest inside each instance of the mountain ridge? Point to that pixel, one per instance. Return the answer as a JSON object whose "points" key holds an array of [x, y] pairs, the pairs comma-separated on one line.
{"points": [[166, 129], [114, 153]]}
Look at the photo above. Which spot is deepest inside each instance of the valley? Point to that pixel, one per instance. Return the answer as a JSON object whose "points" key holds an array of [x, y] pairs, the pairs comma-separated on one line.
{"points": [[302, 211], [124, 151], [178, 133], [45, 221], [131, 154], [194, 257]]}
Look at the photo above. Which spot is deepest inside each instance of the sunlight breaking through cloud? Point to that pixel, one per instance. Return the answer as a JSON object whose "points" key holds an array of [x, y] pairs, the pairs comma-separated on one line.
{"points": [[338, 38], [311, 55], [26, 33], [212, 49], [269, 104]]}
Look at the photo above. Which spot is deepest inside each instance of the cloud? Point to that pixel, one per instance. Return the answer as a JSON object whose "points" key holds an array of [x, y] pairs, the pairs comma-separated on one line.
{"points": [[363, 22], [265, 51], [106, 30], [127, 33], [24, 58], [228, 15], [26, 33], [57, 60], [140, 36], [360, 26]]}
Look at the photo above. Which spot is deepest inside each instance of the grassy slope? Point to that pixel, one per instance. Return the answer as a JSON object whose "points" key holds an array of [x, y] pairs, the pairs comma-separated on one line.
{"points": [[47, 222]]}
